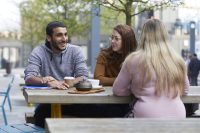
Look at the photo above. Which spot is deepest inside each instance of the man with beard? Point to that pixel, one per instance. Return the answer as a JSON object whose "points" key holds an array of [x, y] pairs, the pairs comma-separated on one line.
{"points": [[49, 63]]}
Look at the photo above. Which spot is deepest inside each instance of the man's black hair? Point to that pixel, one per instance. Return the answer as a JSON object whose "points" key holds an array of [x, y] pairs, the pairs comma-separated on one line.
{"points": [[52, 25]]}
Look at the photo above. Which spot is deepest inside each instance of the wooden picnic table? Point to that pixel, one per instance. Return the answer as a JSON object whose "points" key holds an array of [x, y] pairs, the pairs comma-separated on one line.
{"points": [[122, 125], [57, 97]]}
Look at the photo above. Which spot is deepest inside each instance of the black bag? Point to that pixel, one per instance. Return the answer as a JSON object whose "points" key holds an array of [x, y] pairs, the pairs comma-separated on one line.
{"points": [[130, 114], [191, 108]]}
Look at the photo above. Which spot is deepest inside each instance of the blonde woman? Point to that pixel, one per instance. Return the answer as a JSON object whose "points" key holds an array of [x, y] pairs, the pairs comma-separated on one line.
{"points": [[155, 74]]}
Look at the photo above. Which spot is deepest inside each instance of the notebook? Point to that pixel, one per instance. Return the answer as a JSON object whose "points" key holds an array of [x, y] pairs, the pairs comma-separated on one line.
{"points": [[37, 87]]}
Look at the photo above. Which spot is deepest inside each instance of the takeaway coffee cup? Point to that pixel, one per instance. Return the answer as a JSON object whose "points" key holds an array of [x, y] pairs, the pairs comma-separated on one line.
{"points": [[94, 82], [69, 81]]}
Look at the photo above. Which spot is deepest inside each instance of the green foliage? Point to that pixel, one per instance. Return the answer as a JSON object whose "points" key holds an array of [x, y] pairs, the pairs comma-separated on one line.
{"points": [[76, 15], [131, 8], [109, 19], [37, 13]]}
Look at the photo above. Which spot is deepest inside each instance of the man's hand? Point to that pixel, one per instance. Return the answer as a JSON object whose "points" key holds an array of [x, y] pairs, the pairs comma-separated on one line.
{"points": [[47, 79], [61, 85]]}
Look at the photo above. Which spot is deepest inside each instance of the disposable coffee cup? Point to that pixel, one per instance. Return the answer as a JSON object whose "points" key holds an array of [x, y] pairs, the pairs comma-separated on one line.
{"points": [[69, 81], [94, 82]]}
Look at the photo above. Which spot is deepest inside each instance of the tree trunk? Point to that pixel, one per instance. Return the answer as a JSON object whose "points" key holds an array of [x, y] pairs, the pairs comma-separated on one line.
{"points": [[128, 19], [128, 7]]}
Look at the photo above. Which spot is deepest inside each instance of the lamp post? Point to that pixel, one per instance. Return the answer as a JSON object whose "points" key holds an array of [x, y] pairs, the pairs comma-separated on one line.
{"points": [[95, 35], [192, 36]]}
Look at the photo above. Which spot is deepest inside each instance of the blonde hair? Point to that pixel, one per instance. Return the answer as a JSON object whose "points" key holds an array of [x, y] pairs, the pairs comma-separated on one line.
{"points": [[157, 57]]}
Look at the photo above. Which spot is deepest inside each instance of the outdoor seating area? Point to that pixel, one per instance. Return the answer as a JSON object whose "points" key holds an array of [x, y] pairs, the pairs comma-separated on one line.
{"points": [[51, 96], [99, 66]]}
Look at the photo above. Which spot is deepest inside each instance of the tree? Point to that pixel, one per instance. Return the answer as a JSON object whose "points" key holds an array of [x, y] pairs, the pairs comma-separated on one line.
{"points": [[131, 8], [30, 27], [37, 13], [76, 15]]}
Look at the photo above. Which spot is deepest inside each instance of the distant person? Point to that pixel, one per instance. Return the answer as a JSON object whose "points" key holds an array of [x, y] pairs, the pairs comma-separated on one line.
{"points": [[155, 74], [193, 72], [49, 63], [6, 65], [110, 60], [3, 62]]}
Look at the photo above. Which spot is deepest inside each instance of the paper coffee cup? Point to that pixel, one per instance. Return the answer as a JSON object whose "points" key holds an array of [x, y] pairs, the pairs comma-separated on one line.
{"points": [[69, 81], [94, 82]]}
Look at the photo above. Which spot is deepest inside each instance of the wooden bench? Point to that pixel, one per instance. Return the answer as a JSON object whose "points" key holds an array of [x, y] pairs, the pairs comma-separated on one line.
{"points": [[123, 125], [21, 128]]}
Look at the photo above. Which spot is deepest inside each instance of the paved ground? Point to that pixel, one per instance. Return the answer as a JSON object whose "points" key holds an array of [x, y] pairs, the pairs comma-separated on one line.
{"points": [[19, 105]]}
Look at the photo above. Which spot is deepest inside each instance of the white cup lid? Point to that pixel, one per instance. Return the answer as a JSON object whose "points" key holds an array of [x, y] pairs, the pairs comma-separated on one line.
{"points": [[68, 77]]}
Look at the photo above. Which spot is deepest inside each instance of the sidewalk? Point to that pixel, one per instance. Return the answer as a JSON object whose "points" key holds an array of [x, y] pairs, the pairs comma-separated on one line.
{"points": [[19, 105]]}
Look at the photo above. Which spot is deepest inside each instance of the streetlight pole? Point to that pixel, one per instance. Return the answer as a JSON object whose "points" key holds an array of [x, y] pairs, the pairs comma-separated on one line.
{"points": [[192, 37], [95, 36]]}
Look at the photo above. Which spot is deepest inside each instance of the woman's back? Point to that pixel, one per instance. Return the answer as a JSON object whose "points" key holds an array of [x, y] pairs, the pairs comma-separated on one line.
{"points": [[148, 103]]}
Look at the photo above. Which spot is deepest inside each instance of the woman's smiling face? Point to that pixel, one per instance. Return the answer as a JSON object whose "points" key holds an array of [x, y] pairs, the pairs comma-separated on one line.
{"points": [[116, 42]]}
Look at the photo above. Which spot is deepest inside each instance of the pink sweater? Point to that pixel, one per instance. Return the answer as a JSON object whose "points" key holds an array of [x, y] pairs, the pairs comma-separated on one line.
{"points": [[148, 104]]}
